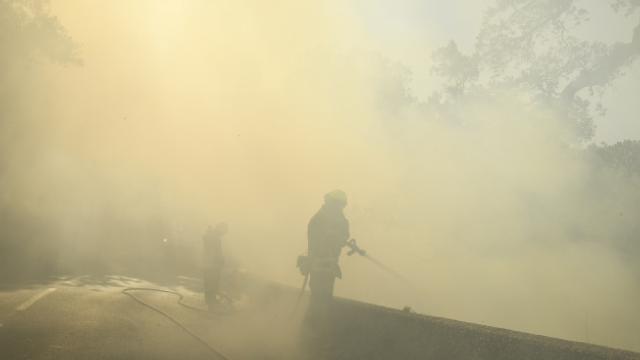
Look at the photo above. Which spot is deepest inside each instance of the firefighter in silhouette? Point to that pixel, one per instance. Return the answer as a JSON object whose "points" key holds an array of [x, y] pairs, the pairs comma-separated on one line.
{"points": [[213, 261], [328, 232]]}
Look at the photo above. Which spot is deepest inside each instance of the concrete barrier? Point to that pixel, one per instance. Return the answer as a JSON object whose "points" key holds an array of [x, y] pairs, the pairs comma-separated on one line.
{"points": [[374, 332], [367, 331]]}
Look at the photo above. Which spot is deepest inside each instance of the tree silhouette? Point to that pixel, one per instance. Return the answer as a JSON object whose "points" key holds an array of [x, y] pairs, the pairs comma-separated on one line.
{"points": [[532, 46], [29, 34], [624, 157]]}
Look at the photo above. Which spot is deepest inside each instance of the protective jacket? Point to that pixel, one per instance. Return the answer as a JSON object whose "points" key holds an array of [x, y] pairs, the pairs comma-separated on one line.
{"points": [[328, 232]]}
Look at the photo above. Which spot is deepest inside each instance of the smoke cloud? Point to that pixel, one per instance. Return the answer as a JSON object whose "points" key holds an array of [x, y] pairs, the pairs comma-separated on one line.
{"points": [[186, 113]]}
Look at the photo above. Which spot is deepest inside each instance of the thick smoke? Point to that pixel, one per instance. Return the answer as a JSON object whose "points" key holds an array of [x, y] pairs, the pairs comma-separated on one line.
{"points": [[186, 113]]}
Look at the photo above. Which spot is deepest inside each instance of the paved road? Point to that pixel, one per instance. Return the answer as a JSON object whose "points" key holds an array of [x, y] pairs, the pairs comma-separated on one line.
{"points": [[90, 318], [87, 318]]}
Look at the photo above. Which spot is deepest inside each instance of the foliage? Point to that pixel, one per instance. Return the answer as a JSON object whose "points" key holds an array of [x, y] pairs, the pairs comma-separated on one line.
{"points": [[28, 32], [623, 156], [532, 46]]}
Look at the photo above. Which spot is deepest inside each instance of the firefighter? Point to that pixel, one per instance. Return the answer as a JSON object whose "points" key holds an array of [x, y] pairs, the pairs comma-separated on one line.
{"points": [[328, 232], [213, 261]]}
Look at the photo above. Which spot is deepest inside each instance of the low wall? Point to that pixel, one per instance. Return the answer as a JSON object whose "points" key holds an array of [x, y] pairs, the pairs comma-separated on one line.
{"points": [[367, 331], [374, 332]]}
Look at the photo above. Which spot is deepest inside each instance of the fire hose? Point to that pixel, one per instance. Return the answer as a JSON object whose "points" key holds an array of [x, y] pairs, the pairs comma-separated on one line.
{"points": [[304, 264], [355, 249], [127, 291]]}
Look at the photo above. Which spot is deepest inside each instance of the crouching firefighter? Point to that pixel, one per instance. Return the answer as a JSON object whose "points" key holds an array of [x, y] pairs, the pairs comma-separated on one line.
{"points": [[328, 232]]}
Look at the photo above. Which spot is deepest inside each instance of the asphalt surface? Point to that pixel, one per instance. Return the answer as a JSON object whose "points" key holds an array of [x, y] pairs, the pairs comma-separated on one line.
{"points": [[89, 318]]}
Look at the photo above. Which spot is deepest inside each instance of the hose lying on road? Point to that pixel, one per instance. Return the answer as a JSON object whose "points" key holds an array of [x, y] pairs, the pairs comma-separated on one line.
{"points": [[215, 351]]}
